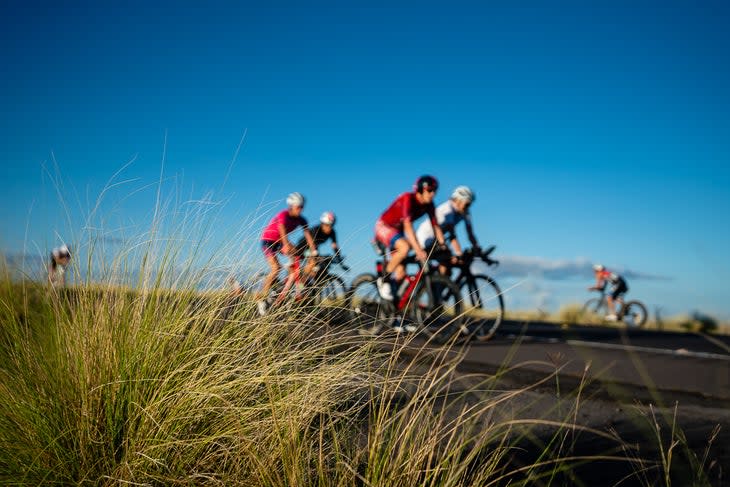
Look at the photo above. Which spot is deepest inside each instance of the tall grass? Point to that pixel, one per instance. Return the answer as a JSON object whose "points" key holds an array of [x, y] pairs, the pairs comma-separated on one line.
{"points": [[138, 377]]}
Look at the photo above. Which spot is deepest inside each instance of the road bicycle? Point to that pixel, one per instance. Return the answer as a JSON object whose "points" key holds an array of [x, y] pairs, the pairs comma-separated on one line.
{"points": [[633, 312], [484, 305], [324, 291], [425, 302]]}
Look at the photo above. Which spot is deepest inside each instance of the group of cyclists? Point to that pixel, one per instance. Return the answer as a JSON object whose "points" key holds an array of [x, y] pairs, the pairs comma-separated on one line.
{"points": [[394, 232]]}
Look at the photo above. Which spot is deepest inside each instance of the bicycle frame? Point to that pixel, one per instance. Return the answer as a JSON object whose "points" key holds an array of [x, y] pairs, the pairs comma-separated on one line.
{"points": [[414, 279]]}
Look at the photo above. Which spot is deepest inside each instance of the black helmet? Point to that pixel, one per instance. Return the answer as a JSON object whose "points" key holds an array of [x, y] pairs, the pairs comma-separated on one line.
{"points": [[426, 182]]}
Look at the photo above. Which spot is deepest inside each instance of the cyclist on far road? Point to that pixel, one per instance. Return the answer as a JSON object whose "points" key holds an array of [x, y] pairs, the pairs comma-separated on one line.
{"points": [[274, 239], [448, 215], [320, 234], [618, 288], [394, 230], [60, 258]]}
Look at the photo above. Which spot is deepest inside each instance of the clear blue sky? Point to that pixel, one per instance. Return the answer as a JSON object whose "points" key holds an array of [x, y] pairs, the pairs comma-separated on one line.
{"points": [[590, 131]]}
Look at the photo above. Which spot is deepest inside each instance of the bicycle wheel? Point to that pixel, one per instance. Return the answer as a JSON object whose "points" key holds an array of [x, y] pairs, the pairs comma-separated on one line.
{"points": [[438, 310], [332, 298], [634, 314], [484, 308], [367, 309], [594, 310]]}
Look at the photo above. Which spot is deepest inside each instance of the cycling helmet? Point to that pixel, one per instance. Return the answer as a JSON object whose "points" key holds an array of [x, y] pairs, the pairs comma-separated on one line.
{"points": [[426, 182], [463, 193], [598, 267], [295, 199], [61, 252], [328, 218]]}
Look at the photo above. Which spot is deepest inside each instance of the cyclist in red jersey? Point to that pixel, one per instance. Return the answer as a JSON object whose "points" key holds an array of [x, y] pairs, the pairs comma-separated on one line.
{"points": [[618, 290], [274, 239], [394, 229]]}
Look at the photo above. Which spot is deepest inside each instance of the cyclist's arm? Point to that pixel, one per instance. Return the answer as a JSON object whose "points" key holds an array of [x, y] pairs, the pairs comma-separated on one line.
{"points": [[438, 233], [470, 233], [412, 240], [598, 286], [310, 241], [286, 246], [456, 247]]}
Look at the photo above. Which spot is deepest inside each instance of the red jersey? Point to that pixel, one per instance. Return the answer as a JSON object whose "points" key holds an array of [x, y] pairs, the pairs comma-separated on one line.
{"points": [[406, 207]]}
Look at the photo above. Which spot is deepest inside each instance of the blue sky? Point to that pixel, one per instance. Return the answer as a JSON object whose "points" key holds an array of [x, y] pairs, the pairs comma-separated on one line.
{"points": [[591, 131]]}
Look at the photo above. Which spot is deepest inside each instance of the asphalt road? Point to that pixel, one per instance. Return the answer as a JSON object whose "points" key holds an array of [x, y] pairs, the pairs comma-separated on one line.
{"points": [[619, 360]]}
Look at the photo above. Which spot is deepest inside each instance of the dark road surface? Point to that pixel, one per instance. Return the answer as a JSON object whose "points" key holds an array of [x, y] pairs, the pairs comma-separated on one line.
{"points": [[677, 364]]}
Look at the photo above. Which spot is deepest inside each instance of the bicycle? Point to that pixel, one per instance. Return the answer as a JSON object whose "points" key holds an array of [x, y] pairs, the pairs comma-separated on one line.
{"points": [[426, 300], [633, 312], [481, 293], [323, 290]]}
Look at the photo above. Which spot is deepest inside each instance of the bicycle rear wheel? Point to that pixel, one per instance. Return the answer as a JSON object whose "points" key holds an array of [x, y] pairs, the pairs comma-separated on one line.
{"points": [[484, 308], [634, 314], [438, 310]]}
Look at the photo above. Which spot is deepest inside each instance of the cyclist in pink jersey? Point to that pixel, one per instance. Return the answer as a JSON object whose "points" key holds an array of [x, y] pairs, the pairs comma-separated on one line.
{"points": [[394, 229], [274, 239]]}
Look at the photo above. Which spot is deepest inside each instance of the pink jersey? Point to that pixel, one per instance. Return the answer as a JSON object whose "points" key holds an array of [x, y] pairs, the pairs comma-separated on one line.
{"points": [[406, 207], [291, 223]]}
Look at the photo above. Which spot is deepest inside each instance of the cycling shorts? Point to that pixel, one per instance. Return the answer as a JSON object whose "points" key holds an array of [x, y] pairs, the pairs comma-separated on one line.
{"points": [[387, 235], [619, 289], [270, 247]]}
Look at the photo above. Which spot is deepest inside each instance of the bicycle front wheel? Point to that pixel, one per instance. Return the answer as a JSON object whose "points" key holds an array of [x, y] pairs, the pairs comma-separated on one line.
{"points": [[594, 310], [484, 308], [367, 309], [437, 309], [332, 298], [634, 314]]}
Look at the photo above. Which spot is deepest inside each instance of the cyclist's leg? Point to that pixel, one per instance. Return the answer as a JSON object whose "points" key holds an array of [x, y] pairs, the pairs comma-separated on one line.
{"points": [[308, 267], [611, 299], [618, 296], [293, 277], [270, 250], [399, 250], [274, 269]]}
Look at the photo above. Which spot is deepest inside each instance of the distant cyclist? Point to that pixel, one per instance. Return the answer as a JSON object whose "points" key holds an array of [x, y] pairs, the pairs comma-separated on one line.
{"points": [[60, 258], [321, 233], [394, 230], [275, 239], [618, 288], [448, 215]]}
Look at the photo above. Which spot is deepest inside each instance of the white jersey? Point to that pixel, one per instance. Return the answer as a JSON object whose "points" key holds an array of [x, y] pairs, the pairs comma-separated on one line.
{"points": [[447, 217]]}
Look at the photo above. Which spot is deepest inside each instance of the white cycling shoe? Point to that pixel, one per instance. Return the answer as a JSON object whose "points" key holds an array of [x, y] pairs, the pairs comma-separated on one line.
{"points": [[384, 289]]}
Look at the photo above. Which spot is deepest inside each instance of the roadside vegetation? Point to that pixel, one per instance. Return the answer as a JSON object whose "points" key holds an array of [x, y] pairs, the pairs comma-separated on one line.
{"points": [[137, 377]]}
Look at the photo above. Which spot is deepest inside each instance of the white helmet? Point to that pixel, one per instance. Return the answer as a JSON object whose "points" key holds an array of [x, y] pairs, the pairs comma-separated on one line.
{"points": [[328, 218], [598, 267], [295, 199], [62, 251], [463, 193]]}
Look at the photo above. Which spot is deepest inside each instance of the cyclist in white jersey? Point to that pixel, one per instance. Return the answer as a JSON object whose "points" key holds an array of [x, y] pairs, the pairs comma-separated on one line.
{"points": [[448, 215], [60, 258]]}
